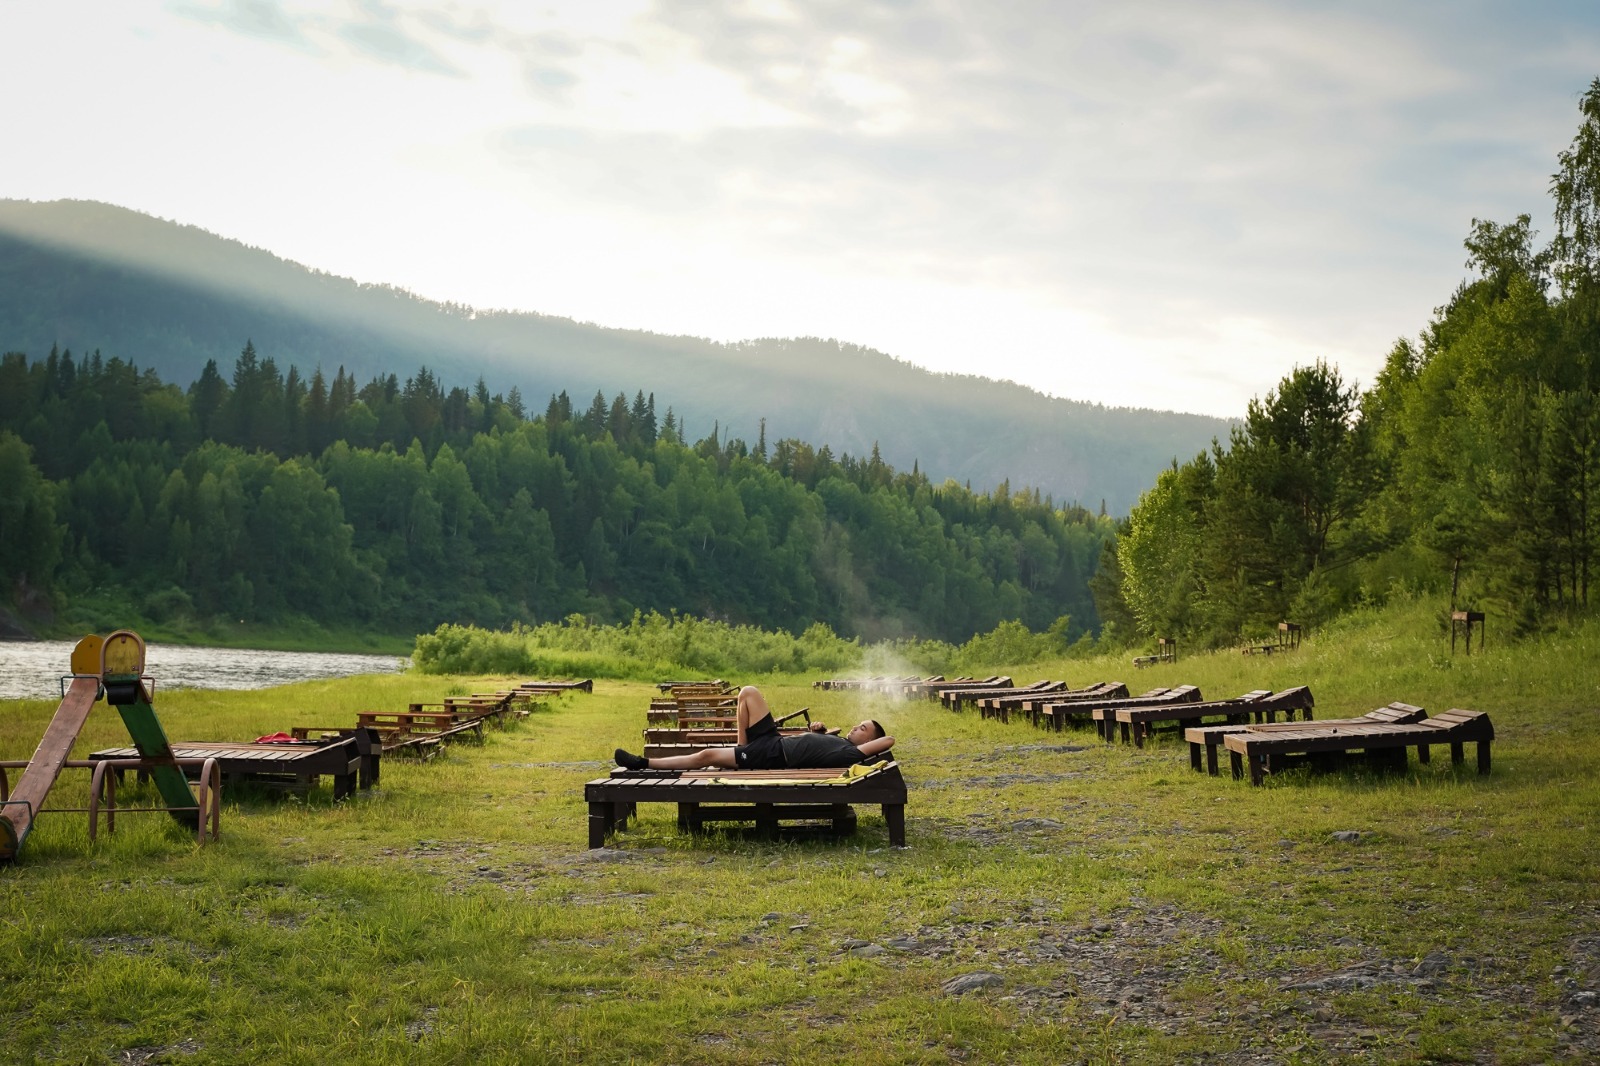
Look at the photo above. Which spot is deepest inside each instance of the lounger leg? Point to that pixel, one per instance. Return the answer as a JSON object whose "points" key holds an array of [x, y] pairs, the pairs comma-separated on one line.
{"points": [[1458, 753], [1236, 763], [1258, 768], [1483, 756], [895, 815], [343, 785], [619, 815], [599, 824], [767, 819], [1422, 753], [1194, 755], [1126, 731], [1211, 760]]}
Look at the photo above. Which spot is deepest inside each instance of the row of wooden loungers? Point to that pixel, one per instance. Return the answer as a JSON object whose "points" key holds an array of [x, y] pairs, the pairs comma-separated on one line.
{"points": [[691, 716], [893, 685], [422, 727], [703, 704], [1384, 733], [1136, 721], [693, 733], [351, 758]]}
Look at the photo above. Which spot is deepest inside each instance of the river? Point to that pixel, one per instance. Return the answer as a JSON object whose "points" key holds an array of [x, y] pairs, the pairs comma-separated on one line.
{"points": [[33, 669]]}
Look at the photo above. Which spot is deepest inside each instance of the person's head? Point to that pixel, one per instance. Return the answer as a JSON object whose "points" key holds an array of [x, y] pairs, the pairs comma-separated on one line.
{"points": [[868, 730]]}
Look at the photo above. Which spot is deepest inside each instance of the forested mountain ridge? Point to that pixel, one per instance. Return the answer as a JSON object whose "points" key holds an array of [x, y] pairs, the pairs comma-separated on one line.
{"points": [[269, 497], [86, 276]]}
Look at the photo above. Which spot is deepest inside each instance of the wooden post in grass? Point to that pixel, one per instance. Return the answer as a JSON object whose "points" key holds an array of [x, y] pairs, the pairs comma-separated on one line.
{"points": [[1465, 620]]}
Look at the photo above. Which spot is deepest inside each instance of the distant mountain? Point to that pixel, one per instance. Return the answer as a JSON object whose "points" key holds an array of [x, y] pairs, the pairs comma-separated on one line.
{"points": [[166, 296]]}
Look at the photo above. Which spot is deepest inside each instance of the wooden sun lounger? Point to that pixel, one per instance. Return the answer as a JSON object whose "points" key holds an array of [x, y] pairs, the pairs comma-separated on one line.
{"points": [[1454, 727], [936, 692], [1001, 705], [1137, 724], [1210, 737], [350, 761], [764, 796], [1104, 715], [547, 688], [955, 698], [888, 685], [716, 685], [419, 730], [1261, 705], [1053, 709]]}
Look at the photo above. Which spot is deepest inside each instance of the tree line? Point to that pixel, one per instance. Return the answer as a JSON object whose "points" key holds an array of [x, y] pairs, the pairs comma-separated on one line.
{"points": [[269, 496], [1470, 468]]}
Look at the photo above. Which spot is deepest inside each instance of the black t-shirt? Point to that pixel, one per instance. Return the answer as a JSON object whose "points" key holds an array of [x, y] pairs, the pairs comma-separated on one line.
{"points": [[819, 749]]}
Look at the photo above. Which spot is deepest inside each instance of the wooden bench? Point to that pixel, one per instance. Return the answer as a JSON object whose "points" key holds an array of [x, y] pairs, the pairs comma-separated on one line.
{"points": [[1288, 640], [763, 796], [1454, 727], [1104, 713], [1210, 737], [1166, 652]]}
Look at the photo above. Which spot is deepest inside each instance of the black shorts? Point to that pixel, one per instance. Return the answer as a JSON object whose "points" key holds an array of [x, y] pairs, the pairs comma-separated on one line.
{"points": [[763, 747]]}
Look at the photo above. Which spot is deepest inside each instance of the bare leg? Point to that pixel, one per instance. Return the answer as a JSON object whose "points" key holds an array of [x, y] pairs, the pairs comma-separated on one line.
{"points": [[752, 708], [698, 760]]}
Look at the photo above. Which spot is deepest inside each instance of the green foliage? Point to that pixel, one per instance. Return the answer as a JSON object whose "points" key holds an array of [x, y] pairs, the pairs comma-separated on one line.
{"points": [[649, 645], [427, 506], [654, 646], [1472, 465]]}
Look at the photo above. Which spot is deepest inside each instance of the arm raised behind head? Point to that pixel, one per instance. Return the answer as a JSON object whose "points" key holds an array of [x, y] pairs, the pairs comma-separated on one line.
{"points": [[876, 747]]}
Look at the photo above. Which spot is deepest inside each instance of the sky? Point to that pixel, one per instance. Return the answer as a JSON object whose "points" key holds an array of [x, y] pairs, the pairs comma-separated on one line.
{"points": [[1161, 204]]}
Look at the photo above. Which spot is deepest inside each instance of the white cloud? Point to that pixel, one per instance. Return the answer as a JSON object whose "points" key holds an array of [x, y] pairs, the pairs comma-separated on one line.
{"points": [[1156, 203]]}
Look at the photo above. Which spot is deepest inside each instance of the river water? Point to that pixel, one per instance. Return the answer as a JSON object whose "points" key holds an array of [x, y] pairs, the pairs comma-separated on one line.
{"points": [[33, 669]]}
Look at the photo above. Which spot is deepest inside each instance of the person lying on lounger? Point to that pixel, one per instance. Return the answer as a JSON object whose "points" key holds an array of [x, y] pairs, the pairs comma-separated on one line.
{"points": [[761, 747]]}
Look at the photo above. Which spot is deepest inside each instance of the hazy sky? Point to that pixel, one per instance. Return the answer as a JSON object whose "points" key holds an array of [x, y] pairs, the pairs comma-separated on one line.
{"points": [[1160, 204]]}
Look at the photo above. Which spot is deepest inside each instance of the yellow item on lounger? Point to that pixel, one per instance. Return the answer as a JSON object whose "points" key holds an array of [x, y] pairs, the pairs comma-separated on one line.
{"points": [[851, 773]]}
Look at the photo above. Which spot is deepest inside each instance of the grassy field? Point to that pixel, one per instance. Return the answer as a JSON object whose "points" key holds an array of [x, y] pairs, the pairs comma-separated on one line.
{"points": [[1128, 909]]}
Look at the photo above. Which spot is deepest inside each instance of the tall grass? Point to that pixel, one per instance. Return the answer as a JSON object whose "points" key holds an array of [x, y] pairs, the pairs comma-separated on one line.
{"points": [[654, 645]]}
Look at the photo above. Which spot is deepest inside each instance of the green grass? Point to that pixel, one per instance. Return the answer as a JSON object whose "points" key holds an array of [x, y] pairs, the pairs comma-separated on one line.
{"points": [[1134, 911]]}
